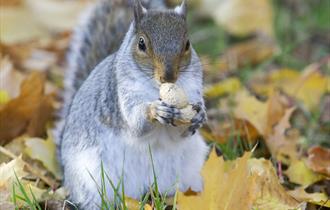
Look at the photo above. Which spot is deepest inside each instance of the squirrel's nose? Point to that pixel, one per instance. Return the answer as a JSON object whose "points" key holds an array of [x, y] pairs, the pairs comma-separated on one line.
{"points": [[167, 77], [169, 74]]}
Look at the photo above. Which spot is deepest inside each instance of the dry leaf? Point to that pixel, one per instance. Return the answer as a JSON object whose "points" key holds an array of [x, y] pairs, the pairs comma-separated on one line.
{"points": [[248, 108], [8, 170], [308, 87], [9, 77], [251, 182], [237, 128], [319, 160], [230, 85], [4, 97], [283, 144], [56, 15], [38, 19], [262, 115], [250, 16], [317, 198], [17, 25], [248, 53], [300, 174], [44, 151], [20, 114]]}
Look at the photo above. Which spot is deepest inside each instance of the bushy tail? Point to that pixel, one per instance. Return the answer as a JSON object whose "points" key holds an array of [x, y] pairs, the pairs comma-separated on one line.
{"points": [[100, 34]]}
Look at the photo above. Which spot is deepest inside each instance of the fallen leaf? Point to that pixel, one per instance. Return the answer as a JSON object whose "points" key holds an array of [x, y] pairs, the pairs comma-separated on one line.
{"points": [[230, 85], [235, 129], [308, 87], [277, 104], [300, 174], [282, 144], [56, 15], [250, 16], [44, 151], [17, 116], [8, 170], [248, 53], [9, 77], [252, 182], [317, 198], [4, 97], [17, 25], [319, 160], [249, 108], [38, 19]]}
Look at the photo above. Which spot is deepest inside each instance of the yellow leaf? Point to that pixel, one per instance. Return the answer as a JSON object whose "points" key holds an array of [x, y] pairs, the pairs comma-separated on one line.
{"points": [[4, 97], [300, 174], [8, 170], [316, 198], [251, 109], [227, 86], [308, 87], [44, 151], [241, 184], [8, 173], [250, 16]]}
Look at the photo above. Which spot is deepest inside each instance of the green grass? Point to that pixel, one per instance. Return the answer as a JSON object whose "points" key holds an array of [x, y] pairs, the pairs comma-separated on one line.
{"points": [[157, 199], [30, 202]]}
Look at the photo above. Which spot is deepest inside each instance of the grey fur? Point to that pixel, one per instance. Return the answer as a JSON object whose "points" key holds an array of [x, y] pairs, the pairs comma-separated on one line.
{"points": [[100, 34], [108, 118]]}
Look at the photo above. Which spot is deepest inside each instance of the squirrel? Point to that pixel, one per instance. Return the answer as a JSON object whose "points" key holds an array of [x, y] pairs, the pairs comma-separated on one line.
{"points": [[112, 115]]}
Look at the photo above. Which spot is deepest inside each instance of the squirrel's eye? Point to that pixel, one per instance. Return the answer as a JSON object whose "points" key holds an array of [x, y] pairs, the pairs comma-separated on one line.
{"points": [[187, 46], [142, 45]]}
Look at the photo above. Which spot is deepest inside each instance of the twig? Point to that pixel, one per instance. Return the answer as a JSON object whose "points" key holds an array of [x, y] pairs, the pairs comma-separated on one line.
{"points": [[53, 184]]}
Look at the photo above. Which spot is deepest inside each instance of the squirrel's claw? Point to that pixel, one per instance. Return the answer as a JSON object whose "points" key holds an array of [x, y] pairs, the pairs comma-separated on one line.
{"points": [[164, 113], [197, 121]]}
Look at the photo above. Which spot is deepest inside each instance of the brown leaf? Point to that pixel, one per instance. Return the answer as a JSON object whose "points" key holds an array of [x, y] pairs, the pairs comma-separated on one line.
{"points": [[20, 114], [42, 116], [246, 54], [277, 105], [283, 144], [319, 160], [317, 198], [223, 131]]}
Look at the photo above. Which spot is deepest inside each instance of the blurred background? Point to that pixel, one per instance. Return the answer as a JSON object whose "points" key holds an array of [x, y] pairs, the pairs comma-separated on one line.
{"points": [[266, 65]]}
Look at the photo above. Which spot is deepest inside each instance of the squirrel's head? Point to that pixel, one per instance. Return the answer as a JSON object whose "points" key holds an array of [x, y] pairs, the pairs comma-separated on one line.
{"points": [[161, 45]]}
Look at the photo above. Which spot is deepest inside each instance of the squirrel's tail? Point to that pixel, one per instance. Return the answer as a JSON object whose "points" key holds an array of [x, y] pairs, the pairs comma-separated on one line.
{"points": [[100, 34]]}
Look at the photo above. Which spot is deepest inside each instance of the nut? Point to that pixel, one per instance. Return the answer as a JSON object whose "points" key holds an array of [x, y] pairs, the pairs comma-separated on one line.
{"points": [[174, 95]]}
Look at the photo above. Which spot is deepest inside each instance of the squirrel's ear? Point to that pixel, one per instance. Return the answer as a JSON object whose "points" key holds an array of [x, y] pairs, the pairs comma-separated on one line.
{"points": [[139, 11], [182, 9]]}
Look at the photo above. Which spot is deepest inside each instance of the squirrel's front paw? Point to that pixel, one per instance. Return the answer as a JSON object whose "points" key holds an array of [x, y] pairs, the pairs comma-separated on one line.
{"points": [[197, 121], [163, 113]]}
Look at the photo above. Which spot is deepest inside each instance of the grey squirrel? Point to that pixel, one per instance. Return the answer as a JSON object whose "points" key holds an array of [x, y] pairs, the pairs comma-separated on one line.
{"points": [[116, 115]]}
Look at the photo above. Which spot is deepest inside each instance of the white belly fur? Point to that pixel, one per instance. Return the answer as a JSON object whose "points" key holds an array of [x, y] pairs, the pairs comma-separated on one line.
{"points": [[177, 161]]}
